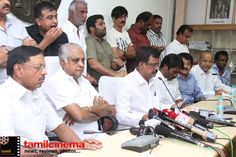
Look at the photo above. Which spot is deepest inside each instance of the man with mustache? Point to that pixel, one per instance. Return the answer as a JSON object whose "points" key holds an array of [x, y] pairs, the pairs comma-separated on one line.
{"points": [[45, 31], [119, 39], [12, 34], [137, 33], [166, 78], [134, 97], [24, 111], [188, 85], [101, 60], [154, 34]]}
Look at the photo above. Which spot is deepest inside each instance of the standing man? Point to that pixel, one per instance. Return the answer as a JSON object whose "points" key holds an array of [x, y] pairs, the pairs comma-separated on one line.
{"points": [[24, 111], [155, 35], [45, 31], [221, 59], [70, 93], [134, 98], [118, 38], [137, 33], [74, 28], [180, 44], [166, 87], [208, 82], [101, 60], [12, 34]]}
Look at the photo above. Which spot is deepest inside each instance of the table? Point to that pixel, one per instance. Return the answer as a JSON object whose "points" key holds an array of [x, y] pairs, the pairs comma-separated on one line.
{"points": [[167, 147]]}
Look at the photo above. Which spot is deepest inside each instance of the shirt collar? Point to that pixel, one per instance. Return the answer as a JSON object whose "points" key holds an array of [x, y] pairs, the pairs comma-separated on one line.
{"points": [[20, 91], [151, 32], [159, 74], [139, 77], [63, 74], [73, 28], [203, 72], [135, 28]]}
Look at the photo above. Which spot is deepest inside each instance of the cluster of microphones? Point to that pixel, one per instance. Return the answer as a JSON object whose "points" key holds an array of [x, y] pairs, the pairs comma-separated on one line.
{"points": [[190, 127]]}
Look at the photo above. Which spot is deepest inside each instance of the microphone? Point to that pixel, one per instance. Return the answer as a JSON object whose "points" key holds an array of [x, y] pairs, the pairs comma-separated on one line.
{"points": [[169, 93], [222, 121], [167, 132], [221, 77], [200, 119], [206, 135], [99, 132]]}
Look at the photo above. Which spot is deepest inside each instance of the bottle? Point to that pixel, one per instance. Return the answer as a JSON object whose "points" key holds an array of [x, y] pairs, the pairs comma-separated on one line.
{"points": [[220, 107]]}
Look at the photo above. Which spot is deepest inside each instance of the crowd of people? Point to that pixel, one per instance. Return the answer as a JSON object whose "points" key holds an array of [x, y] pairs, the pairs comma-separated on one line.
{"points": [[153, 73]]}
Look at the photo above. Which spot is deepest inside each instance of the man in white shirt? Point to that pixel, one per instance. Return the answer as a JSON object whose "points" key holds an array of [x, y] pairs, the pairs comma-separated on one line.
{"points": [[210, 84], [180, 44], [12, 34], [166, 87], [134, 98], [24, 111], [75, 31], [118, 38], [71, 93]]}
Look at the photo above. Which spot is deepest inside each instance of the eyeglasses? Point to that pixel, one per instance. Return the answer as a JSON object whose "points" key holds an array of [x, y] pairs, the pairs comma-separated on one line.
{"points": [[36, 67], [154, 65]]}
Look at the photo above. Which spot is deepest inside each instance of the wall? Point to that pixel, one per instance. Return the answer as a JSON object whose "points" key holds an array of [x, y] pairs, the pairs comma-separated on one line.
{"points": [[134, 7]]}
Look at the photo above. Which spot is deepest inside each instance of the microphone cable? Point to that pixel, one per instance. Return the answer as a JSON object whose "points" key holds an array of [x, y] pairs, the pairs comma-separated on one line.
{"points": [[231, 141], [216, 149]]}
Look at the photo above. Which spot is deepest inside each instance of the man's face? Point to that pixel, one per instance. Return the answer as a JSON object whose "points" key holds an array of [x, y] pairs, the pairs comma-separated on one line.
{"points": [[150, 68], [4, 7], [74, 66], [33, 72], [221, 62], [47, 20], [187, 67], [80, 14], [171, 73], [156, 25], [100, 28], [205, 62], [120, 21], [146, 25], [185, 37]]}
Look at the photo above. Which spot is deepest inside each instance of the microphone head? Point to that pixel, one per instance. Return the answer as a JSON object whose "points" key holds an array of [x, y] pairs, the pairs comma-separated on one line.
{"points": [[214, 74], [160, 78], [163, 130], [141, 122]]}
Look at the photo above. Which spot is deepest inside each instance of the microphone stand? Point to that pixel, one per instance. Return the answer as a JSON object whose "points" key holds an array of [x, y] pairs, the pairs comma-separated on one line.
{"points": [[169, 93]]}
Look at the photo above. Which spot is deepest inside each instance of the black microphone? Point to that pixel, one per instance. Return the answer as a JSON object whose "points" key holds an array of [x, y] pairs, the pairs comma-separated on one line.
{"points": [[200, 119], [221, 77], [167, 132], [169, 92]]}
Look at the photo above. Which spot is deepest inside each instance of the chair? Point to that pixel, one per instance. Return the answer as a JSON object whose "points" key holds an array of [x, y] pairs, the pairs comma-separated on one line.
{"points": [[107, 87]]}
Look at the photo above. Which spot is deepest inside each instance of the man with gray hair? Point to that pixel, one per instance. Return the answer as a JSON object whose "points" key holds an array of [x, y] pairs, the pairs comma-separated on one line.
{"points": [[73, 27], [71, 94]]}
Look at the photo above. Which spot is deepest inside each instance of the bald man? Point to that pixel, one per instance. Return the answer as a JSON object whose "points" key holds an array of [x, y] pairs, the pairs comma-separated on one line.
{"points": [[210, 84]]}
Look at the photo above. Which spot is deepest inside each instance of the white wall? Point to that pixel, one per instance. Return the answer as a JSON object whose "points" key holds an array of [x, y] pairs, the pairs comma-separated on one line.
{"points": [[134, 7]]}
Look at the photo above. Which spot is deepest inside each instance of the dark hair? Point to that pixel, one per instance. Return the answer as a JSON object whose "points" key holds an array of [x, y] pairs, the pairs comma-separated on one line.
{"points": [[44, 5], [145, 16], [118, 12], [182, 28], [172, 61], [20, 55], [91, 21], [186, 56], [157, 17], [221, 53], [143, 54]]}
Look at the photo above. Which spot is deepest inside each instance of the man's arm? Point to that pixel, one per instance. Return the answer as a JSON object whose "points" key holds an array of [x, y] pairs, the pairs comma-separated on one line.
{"points": [[3, 56]]}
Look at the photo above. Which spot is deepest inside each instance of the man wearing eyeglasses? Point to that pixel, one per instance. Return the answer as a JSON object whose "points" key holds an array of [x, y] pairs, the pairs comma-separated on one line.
{"points": [[24, 111], [134, 98], [72, 94]]}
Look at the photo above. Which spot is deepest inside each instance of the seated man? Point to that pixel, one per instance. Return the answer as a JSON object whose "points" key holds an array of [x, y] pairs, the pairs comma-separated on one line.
{"points": [[101, 60], [134, 98], [24, 111], [188, 86], [221, 59], [71, 93], [166, 88], [208, 82], [45, 31]]}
